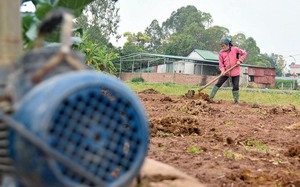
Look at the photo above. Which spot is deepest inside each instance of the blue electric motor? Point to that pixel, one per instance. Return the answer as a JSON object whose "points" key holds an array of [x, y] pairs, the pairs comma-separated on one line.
{"points": [[79, 129], [70, 127]]}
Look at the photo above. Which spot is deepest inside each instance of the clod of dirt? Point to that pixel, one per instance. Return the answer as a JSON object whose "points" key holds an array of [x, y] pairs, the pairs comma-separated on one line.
{"points": [[293, 151], [229, 140], [166, 99], [255, 106], [199, 95], [218, 137], [190, 94], [203, 96], [275, 110], [253, 179], [174, 126], [283, 110], [289, 108], [149, 91]]}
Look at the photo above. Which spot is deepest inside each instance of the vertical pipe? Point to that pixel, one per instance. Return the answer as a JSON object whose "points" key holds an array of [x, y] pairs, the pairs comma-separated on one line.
{"points": [[10, 38], [120, 67]]}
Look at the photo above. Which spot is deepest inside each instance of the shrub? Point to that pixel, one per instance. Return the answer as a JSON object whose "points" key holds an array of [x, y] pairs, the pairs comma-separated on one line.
{"points": [[137, 79]]}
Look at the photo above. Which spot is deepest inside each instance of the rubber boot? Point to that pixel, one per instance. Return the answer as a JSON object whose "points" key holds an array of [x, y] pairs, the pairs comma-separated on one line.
{"points": [[213, 92], [236, 97]]}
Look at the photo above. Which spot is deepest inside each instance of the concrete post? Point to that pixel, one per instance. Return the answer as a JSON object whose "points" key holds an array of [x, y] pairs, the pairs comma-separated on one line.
{"points": [[10, 38]]}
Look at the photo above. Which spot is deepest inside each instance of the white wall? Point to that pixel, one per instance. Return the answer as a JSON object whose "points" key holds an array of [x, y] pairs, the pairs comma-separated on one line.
{"points": [[162, 68], [179, 67], [184, 67], [189, 68]]}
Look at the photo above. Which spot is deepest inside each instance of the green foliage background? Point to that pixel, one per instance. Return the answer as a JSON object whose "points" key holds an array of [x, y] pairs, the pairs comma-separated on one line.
{"points": [[186, 29]]}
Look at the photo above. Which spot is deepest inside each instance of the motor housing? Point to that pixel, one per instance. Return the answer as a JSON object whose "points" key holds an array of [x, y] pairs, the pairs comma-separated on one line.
{"points": [[89, 118]]}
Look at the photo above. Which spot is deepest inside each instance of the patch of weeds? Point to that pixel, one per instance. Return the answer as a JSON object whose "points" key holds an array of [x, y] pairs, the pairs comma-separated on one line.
{"points": [[258, 111], [164, 134], [229, 123], [183, 110], [261, 147], [238, 156], [248, 144], [255, 110], [229, 154], [195, 150]]}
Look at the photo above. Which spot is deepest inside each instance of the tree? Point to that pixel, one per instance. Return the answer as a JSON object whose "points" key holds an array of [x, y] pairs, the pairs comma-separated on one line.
{"points": [[184, 17], [252, 50], [213, 35], [155, 34], [138, 40], [184, 31], [239, 39], [280, 65], [264, 60], [99, 57], [180, 44], [31, 21], [100, 21]]}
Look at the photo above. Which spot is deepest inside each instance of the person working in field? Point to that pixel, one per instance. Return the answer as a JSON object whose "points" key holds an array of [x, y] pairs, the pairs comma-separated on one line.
{"points": [[229, 56]]}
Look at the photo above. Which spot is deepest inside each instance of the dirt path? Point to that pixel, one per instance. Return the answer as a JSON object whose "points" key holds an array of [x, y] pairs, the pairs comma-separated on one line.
{"points": [[225, 145]]}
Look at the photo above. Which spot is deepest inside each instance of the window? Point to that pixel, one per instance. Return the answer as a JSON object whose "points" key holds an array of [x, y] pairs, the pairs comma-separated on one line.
{"points": [[251, 78]]}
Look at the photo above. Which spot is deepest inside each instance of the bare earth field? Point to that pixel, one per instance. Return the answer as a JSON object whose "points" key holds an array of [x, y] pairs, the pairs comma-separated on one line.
{"points": [[221, 144]]}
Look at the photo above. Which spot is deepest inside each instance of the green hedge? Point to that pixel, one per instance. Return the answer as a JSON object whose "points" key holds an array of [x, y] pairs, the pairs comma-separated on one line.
{"points": [[137, 79], [286, 84]]}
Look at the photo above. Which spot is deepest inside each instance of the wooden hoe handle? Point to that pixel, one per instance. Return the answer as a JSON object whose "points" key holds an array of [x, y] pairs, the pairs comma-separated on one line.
{"points": [[212, 81]]}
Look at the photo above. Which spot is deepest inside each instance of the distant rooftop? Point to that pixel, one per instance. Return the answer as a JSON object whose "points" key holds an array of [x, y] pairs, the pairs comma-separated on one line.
{"points": [[295, 66], [208, 55]]}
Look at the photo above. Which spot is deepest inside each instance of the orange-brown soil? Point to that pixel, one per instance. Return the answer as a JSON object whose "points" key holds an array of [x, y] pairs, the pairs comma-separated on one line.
{"points": [[222, 144]]}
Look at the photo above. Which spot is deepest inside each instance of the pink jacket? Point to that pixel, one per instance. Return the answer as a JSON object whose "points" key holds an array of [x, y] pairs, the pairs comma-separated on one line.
{"points": [[228, 59]]}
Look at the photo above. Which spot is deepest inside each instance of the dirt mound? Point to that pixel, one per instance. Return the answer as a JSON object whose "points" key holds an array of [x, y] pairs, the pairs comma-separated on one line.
{"points": [[245, 145], [149, 91], [195, 107], [174, 126], [283, 110], [199, 95]]}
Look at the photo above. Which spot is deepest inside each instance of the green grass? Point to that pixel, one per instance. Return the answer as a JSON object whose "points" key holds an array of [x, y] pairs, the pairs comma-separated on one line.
{"points": [[194, 149], [267, 98]]}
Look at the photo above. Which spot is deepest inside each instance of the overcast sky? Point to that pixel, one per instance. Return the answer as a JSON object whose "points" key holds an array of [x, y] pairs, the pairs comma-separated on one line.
{"points": [[274, 24]]}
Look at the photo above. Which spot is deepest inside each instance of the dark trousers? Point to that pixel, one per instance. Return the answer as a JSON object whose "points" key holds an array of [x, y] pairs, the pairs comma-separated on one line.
{"points": [[234, 80]]}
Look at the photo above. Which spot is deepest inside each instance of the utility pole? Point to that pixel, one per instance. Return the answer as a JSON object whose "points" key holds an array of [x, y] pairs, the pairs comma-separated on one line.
{"points": [[10, 39]]}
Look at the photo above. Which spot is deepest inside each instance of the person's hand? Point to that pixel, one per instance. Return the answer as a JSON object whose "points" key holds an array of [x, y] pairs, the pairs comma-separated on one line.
{"points": [[222, 73], [238, 62]]}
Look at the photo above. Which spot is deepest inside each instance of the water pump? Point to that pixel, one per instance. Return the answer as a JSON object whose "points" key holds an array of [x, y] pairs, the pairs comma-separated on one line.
{"points": [[70, 126]]}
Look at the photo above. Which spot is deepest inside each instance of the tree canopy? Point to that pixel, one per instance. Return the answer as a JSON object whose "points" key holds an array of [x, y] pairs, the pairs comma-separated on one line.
{"points": [[186, 29]]}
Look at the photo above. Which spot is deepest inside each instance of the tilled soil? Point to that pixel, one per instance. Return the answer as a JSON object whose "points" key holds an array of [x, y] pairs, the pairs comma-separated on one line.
{"points": [[222, 144]]}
